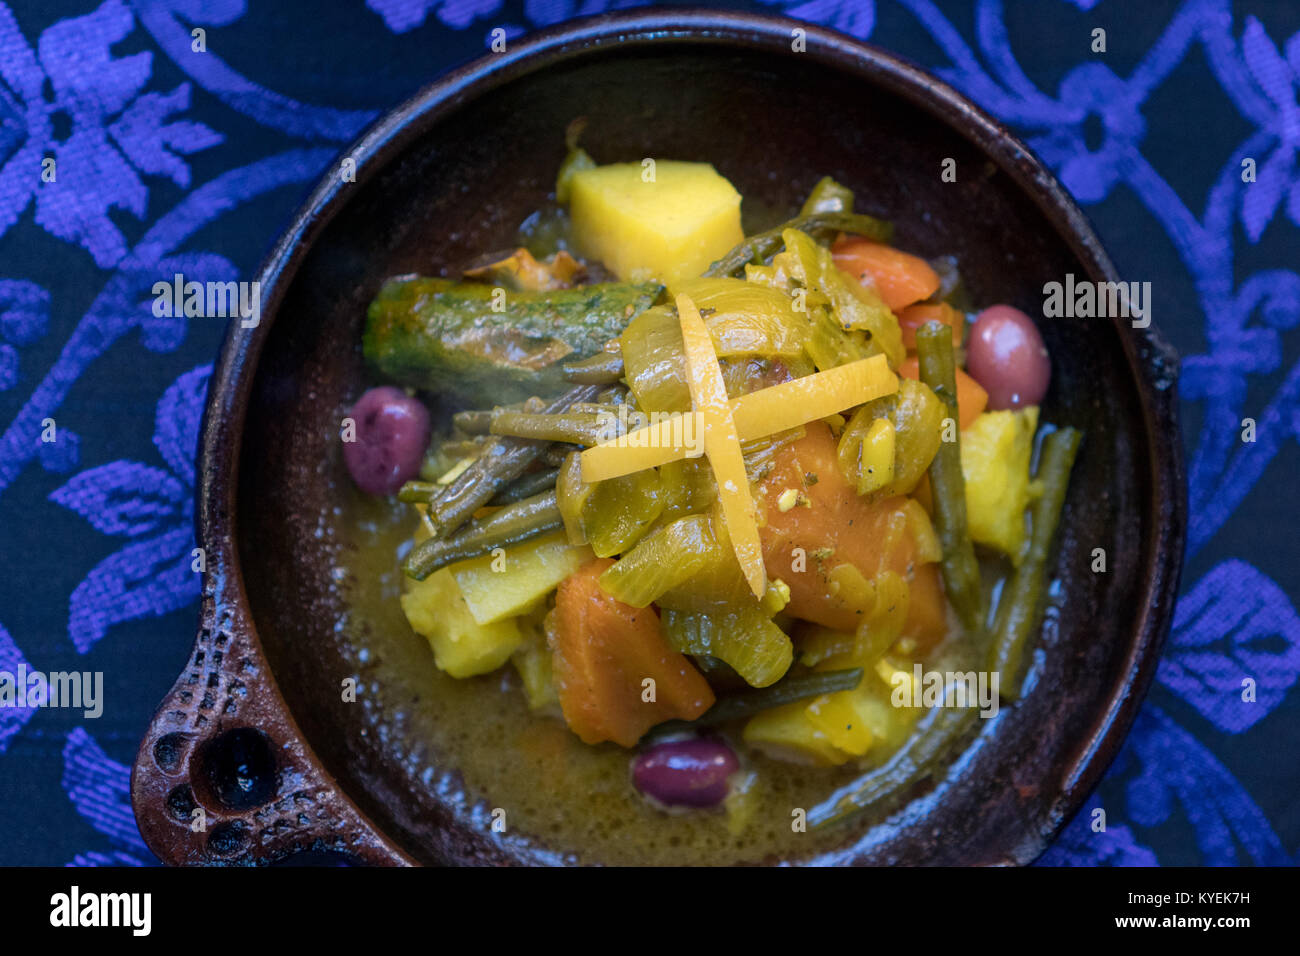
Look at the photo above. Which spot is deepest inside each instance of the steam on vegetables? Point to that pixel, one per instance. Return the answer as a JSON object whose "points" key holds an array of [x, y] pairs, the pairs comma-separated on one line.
{"points": [[714, 495]]}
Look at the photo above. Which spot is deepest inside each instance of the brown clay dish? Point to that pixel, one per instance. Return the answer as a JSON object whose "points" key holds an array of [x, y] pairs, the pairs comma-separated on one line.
{"points": [[254, 732]]}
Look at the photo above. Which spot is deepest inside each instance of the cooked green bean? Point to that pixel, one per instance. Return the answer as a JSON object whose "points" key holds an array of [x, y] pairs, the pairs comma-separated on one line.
{"points": [[595, 408], [476, 421], [603, 368], [828, 196], [578, 428], [500, 462], [514, 523], [444, 455], [761, 246], [961, 573], [612, 395], [1021, 607], [418, 492], [556, 453], [525, 486], [750, 702], [459, 448], [909, 765]]}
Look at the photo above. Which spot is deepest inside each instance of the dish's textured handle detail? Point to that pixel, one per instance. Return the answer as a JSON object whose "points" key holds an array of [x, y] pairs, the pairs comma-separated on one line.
{"points": [[223, 776]]}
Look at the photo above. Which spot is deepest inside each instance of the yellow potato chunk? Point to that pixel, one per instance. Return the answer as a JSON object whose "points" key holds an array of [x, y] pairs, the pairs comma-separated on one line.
{"points": [[669, 226], [534, 666], [461, 646], [533, 662], [834, 728], [880, 705], [995, 452], [836, 716], [513, 580], [786, 733]]}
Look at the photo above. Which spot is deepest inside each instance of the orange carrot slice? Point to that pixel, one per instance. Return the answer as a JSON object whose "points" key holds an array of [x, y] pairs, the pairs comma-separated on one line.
{"points": [[604, 650], [927, 615], [807, 547], [915, 316], [900, 277]]}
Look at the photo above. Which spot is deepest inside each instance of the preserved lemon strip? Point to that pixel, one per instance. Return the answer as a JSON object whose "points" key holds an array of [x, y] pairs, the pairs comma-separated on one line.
{"points": [[667, 440], [759, 414], [801, 400], [721, 444]]}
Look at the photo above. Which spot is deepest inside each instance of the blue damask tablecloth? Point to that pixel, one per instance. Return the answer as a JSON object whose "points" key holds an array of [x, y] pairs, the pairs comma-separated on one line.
{"points": [[1180, 141]]}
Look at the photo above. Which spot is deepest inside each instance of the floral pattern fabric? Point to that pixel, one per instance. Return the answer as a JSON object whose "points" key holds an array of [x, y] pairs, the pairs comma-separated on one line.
{"points": [[141, 138]]}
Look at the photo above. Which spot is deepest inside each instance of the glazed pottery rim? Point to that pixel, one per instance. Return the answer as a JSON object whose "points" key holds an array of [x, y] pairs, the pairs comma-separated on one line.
{"points": [[1151, 362]]}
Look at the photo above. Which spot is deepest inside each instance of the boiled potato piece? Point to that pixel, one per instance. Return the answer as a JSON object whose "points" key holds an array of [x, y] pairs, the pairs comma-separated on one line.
{"points": [[533, 662], [874, 703], [786, 733], [834, 728], [515, 579], [995, 452], [836, 717], [461, 646], [669, 228]]}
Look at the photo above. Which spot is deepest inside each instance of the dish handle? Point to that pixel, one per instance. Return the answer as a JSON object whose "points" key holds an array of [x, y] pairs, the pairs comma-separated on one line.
{"points": [[224, 775]]}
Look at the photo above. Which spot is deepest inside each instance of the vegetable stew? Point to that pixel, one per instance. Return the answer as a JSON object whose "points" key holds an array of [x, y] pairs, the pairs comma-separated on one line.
{"points": [[704, 507]]}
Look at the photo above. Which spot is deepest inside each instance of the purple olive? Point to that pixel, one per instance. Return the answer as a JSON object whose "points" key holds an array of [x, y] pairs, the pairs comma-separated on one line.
{"points": [[1007, 356], [685, 773], [392, 430]]}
